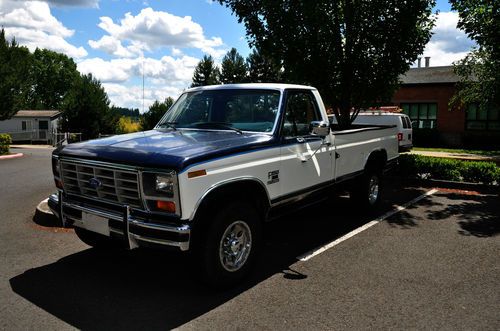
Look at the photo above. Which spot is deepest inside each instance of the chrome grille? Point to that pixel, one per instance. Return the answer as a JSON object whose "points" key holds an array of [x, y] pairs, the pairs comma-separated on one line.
{"points": [[116, 185]]}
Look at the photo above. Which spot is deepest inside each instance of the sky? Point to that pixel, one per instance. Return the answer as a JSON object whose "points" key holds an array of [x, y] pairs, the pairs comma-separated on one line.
{"points": [[120, 40]]}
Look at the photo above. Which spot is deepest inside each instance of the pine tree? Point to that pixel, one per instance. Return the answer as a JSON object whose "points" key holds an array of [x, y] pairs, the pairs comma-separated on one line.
{"points": [[233, 68], [206, 72]]}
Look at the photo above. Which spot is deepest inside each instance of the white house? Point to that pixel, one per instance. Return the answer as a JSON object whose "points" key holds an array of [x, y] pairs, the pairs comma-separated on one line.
{"points": [[32, 125]]}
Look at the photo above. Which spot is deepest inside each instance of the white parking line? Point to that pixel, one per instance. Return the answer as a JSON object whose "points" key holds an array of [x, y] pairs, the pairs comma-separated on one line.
{"points": [[309, 255]]}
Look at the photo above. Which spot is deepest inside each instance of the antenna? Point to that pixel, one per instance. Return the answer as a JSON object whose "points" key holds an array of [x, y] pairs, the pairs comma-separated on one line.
{"points": [[143, 85]]}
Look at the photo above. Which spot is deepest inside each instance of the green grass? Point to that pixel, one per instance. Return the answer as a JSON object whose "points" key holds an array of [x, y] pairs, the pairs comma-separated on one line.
{"points": [[458, 151]]}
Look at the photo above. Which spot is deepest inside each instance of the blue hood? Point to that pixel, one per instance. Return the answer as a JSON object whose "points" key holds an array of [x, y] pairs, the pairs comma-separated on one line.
{"points": [[166, 149]]}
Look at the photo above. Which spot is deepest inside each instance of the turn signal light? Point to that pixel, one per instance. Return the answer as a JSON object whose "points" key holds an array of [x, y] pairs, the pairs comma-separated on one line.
{"points": [[400, 136], [168, 206], [58, 183]]}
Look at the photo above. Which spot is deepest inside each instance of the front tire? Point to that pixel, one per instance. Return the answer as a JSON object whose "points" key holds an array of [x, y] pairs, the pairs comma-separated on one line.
{"points": [[230, 244]]}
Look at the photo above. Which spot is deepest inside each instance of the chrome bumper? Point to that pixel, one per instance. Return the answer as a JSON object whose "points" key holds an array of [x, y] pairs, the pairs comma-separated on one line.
{"points": [[135, 231]]}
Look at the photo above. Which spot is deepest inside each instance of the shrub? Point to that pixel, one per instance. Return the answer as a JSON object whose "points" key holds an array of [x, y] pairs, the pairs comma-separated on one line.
{"points": [[127, 125], [5, 141], [419, 166]]}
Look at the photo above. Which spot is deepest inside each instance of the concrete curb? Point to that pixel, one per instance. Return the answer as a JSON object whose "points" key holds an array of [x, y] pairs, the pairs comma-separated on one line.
{"points": [[452, 185], [44, 216], [11, 156]]}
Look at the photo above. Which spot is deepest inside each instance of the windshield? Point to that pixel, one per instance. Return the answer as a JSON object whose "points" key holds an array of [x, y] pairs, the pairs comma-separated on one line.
{"points": [[238, 109]]}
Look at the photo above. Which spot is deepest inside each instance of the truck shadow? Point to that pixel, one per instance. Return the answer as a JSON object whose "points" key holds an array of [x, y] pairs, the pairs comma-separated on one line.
{"points": [[151, 290]]}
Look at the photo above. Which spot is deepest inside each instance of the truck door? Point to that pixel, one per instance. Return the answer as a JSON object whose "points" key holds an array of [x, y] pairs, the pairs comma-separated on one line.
{"points": [[301, 168]]}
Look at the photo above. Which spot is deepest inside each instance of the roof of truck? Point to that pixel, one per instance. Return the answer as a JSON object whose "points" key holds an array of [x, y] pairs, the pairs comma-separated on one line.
{"points": [[273, 86]]}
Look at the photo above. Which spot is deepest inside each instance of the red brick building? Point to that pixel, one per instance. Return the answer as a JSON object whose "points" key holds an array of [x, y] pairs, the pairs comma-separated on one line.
{"points": [[425, 94]]}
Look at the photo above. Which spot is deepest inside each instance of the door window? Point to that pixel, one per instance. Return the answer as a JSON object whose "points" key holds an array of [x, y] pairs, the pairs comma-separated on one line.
{"points": [[301, 110]]}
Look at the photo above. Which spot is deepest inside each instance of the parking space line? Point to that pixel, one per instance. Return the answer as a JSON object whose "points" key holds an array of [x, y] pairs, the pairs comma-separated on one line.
{"points": [[309, 255]]}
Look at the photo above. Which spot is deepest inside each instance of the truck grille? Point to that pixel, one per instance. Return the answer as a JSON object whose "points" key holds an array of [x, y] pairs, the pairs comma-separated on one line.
{"points": [[108, 184]]}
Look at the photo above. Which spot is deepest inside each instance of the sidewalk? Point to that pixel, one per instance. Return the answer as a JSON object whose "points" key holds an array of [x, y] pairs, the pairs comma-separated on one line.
{"points": [[32, 146], [459, 156]]}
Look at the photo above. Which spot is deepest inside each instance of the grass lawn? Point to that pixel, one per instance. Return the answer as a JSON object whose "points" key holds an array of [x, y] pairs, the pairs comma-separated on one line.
{"points": [[458, 151]]}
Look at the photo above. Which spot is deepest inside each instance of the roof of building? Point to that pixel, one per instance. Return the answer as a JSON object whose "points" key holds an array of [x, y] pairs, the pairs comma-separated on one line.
{"points": [[430, 75], [37, 113]]}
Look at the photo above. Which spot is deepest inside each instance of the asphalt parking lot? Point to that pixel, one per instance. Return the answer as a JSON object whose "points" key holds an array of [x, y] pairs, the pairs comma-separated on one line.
{"points": [[433, 265]]}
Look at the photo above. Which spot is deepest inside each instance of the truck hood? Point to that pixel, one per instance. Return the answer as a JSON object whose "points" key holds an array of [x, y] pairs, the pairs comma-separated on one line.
{"points": [[165, 148]]}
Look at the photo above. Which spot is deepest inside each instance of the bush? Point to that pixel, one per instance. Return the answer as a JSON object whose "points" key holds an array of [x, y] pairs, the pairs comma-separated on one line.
{"points": [[5, 141], [127, 125], [418, 166]]}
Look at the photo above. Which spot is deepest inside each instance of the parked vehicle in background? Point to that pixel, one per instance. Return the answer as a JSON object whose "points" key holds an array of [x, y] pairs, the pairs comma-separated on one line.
{"points": [[220, 162], [400, 120]]}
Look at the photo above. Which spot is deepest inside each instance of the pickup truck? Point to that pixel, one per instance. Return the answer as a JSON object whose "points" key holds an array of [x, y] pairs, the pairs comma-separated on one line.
{"points": [[223, 160]]}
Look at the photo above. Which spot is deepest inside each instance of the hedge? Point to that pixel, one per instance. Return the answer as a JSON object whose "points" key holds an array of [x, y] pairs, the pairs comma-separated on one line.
{"points": [[426, 167], [5, 141]]}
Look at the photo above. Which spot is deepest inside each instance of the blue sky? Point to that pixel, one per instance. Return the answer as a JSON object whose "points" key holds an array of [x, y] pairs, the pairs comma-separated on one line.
{"points": [[118, 40]]}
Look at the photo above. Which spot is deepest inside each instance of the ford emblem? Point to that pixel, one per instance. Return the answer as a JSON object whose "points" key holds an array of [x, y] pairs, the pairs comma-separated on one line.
{"points": [[95, 183]]}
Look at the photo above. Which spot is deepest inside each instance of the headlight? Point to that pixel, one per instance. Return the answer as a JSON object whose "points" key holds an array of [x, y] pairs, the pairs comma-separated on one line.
{"points": [[159, 185], [165, 184]]}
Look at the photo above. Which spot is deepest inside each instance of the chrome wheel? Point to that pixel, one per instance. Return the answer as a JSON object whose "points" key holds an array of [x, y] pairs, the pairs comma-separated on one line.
{"points": [[373, 188], [235, 246]]}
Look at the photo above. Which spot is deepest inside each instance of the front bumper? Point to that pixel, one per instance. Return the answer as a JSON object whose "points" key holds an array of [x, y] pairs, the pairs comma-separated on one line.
{"points": [[122, 224]]}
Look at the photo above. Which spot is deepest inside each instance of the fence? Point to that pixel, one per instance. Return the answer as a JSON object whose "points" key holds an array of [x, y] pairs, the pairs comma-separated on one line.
{"points": [[45, 136]]}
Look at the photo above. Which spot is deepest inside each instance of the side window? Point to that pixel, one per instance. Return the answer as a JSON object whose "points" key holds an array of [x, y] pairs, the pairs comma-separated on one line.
{"points": [[301, 110]]}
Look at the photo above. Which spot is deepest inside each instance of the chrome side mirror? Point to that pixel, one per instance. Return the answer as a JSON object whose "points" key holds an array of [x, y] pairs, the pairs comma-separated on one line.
{"points": [[319, 128]]}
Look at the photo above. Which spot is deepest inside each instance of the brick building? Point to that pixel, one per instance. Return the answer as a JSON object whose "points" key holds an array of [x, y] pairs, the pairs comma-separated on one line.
{"points": [[424, 95]]}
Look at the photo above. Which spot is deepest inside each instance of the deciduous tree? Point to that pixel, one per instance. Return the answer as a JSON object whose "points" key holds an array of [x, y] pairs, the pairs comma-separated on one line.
{"points": [[15, 64], [52, 75], [353, 51], [479, 71]]}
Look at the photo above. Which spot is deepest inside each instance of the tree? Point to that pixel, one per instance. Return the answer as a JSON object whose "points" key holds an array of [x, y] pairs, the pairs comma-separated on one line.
{"points": [[52, 75], [86, 109], [15, 63], [233, 68], [262, 69], [206, 72], [156, 111], [127, 125], [479, 71], [353, 51]]}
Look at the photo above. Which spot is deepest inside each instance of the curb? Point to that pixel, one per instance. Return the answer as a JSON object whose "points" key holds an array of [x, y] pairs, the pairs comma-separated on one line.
{"points": [[11, 156], [452, 184], [44, 216]]}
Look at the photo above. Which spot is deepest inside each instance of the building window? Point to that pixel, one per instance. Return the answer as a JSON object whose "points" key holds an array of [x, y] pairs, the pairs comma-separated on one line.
{"points": [[422, 115], [482, 119]]}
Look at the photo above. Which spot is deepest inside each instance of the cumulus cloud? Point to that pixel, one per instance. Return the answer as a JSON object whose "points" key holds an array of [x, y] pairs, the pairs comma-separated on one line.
{"points": [[174, 71], [33, 25], [74, 3], [152, 29], [448, 44], [131, 96]]}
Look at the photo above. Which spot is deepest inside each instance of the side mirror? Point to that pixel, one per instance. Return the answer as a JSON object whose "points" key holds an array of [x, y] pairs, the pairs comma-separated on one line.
{"points": [[319, 128]]}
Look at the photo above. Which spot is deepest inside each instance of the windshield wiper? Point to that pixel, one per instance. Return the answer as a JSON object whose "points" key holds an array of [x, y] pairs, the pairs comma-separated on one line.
{"points": [[168, 125], [222, 125]]}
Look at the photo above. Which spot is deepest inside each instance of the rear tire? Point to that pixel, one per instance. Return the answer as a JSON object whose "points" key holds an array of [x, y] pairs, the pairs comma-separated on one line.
{"points": [[229, 246], [367, 191]]}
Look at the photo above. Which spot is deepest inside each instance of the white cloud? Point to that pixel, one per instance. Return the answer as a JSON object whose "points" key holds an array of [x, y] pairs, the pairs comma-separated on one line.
{"points": [[33, 25], [131, 96], [74, 3], [152, 29], [448, 44]]}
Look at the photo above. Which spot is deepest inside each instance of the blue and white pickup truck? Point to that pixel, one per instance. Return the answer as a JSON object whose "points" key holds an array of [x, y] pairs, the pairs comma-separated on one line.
{"points": [[220, 162]]}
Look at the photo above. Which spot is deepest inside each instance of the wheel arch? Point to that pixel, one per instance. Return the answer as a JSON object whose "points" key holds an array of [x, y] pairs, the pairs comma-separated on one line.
{"points": [[376, 160], [248, 188]]}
